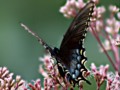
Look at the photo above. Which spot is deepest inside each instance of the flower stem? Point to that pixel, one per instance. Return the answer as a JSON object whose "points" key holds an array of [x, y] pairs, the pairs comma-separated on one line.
{"points": [[98, 39]]}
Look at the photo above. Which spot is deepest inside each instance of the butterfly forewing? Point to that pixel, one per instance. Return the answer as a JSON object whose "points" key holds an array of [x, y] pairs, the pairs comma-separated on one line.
{"points": [[78, 26]]}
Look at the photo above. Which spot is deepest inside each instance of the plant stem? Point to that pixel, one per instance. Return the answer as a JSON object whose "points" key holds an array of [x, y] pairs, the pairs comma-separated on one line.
{"points": [[98, 39]]}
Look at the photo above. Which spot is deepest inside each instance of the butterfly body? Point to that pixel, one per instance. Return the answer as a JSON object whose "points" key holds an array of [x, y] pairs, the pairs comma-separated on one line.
{"points": [[71, 56]]}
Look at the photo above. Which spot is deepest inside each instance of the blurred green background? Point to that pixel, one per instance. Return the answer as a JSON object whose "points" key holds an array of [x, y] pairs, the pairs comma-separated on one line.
{"points": [[19, 51]]}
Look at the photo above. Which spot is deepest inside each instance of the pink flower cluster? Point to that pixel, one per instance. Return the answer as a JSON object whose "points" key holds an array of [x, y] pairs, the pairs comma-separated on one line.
{"points": [[101, 75], [113, 81], [52, 78], [71, 7], [7, 82], [35, 85]]}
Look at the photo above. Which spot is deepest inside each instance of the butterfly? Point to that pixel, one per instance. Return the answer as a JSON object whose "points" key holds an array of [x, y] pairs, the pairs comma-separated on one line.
{"points": [[70, 57]]}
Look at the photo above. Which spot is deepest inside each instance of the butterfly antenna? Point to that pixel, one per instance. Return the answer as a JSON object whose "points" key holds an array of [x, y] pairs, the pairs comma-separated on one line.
{"points": [[35, 35]]}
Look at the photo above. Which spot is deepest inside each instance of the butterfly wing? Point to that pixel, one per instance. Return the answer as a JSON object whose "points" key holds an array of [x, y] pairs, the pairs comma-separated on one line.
{"points": [[78, 27], [72, 52]]}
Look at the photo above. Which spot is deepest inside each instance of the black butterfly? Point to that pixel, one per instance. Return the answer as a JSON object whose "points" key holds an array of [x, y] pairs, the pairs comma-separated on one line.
{"points": [[71, 55]]}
